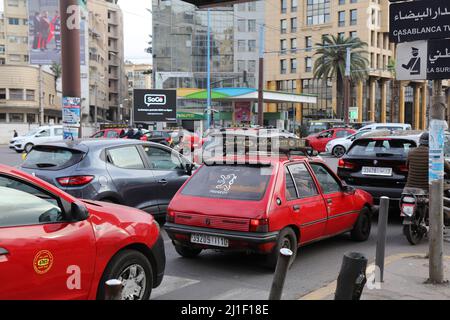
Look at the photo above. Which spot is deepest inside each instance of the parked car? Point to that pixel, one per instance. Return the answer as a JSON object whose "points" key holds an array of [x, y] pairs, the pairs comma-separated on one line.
{"points": [[319, 141], [338, 147], [138, 174], [48, 236], [262, 203], [386, 126], [38, 136], [108, 134], [162, 137], [376, 163]]}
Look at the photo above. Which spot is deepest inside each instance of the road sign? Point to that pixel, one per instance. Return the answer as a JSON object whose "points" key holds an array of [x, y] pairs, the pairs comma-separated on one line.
{"points": [[155, 105], [438, 67], [412, 60], [353, 113], [419, 20]]}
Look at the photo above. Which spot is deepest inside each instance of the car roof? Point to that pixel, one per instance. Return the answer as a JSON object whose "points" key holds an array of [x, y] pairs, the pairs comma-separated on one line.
{"points": [[399, 134], [93, 144]]}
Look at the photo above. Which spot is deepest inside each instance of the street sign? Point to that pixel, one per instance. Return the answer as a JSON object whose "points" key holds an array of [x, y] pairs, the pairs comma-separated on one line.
{"points": [[423, 60], [155, 105], [353, 113], [419, 20]]}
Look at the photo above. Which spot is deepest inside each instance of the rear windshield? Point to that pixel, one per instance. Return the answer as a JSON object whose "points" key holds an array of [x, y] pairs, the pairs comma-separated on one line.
{"points": [[381, 148], [229, 182], [48, 158]]}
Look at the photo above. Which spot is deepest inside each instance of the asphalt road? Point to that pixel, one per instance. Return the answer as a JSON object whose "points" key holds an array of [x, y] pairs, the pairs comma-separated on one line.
{"points": [[228, 276]]}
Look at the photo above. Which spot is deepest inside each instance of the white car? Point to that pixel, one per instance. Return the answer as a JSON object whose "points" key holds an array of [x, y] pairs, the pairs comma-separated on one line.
{"points": [[338, 147], [38, 136], [386, 126]]}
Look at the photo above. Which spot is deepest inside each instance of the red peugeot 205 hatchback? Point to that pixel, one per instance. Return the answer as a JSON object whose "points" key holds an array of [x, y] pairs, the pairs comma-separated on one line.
{"points": [[55, 247], [264, 203]]}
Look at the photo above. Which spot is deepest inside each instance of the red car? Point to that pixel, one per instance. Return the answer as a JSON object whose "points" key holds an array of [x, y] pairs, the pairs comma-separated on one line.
{"points": [[55, 247], [320, 140], [108, 134], [276, 202]]}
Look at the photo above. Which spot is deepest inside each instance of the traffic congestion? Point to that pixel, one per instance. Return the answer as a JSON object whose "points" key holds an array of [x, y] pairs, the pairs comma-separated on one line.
{"points": [[112, 205]]}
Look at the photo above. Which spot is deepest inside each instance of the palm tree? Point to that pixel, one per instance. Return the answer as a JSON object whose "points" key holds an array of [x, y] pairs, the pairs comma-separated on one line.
{"points": [[331, 63], [56, 68]]}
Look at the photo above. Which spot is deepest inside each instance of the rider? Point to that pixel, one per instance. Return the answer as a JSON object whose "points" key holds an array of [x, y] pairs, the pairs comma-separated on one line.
{"points": [[418, 165]]}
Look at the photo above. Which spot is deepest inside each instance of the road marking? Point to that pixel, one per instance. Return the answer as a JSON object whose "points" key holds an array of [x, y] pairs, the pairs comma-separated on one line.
{"points": [[330, 289], [170, 284], [242, 294]]}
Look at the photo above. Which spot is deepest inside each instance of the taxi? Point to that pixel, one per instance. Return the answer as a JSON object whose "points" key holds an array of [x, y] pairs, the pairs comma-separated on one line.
{"points": [[55, 247], [262, 202]]}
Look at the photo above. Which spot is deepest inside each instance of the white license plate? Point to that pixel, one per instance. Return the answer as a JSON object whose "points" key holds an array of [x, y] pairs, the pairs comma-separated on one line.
{"points": [[371, 171], [210, 240]]}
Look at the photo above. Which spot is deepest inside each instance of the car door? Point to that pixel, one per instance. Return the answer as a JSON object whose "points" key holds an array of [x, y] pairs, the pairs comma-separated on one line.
{"points": [[132, 178], [41, 255], [169, 171], [57, 134], [305, 203], [42, 136], [323, 140], [340, 205]]}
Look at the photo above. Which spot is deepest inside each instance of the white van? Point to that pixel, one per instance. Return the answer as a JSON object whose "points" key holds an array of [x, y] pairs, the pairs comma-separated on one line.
{"points": [[38, 136], [386, 126]]}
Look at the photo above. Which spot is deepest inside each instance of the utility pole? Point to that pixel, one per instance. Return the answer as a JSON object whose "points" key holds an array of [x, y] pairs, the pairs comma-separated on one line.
{"points": [[209, 113], [70, 51], [261, 76], [347, 85], [437, 115]]}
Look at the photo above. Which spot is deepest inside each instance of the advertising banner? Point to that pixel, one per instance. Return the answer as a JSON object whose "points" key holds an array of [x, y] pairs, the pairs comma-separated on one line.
{"points": [[44, 34], [155, 105], [71, 117], [243, 112]]}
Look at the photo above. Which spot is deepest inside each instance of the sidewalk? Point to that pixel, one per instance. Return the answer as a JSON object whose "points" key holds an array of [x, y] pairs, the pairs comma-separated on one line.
{"points": [[404, 279]]}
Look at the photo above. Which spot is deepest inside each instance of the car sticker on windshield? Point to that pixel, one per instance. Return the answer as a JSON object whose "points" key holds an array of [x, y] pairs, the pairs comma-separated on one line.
{"points": [[225, 184], [43, 262]]}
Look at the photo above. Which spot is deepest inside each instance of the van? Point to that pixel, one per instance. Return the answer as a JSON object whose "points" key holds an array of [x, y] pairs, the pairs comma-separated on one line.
{"points": [[386, 126]]}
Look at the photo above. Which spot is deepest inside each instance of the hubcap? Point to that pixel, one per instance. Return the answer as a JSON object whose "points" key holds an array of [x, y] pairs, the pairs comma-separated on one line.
{"points": [[339, 152], [134, 282]]}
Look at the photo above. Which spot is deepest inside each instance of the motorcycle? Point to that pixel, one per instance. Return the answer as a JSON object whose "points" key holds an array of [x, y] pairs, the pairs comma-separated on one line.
{"points": [[414, 211]]}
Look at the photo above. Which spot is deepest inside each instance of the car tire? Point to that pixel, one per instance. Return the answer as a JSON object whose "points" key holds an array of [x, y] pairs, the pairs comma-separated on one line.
{"points": [[286, 239], [338, 151], [187, 252], [363, 226], [28, 147], [118, 268]]}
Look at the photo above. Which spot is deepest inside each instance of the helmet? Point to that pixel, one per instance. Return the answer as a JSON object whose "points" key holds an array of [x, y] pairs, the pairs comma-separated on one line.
{"points": [[425, 139]]}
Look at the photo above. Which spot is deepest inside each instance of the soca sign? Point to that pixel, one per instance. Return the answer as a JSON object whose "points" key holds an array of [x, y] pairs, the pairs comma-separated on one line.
{"points": [[419, 20], [423, 60], [155, 105]]}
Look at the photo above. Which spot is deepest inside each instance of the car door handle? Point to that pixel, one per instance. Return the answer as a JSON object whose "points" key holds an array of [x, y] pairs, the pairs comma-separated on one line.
{"points": [[3, 252], [163, 181], [296, 208]]}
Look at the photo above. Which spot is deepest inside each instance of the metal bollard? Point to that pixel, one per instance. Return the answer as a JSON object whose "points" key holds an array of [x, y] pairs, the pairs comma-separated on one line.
{"points": [[352, 277], [280, 274], [113, 290], [382, 231]]}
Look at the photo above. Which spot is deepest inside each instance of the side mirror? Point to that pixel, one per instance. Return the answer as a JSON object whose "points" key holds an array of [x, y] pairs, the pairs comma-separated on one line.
{"points": [[78, 212], [348, 189]]}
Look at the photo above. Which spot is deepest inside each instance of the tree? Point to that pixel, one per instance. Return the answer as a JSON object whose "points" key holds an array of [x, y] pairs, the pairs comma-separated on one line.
{"points": [[331, 63], [149, 49], [56, 68]]}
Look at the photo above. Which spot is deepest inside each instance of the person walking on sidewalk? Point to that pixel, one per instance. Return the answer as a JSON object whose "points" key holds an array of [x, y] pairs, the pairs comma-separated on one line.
{"points": [[15, 134]]}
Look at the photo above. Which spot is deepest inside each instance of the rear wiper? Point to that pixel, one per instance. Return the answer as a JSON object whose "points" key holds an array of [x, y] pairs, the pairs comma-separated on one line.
{"points": [[45, 165]]}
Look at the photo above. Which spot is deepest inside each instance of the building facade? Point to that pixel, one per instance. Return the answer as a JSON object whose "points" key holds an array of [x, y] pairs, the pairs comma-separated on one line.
{"points": [[295, 27]]}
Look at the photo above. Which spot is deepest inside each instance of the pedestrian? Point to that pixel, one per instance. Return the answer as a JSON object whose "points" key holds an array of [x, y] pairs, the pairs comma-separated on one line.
{"points": [[36, 30], [15, 134], [130, 133], [139, 134]]}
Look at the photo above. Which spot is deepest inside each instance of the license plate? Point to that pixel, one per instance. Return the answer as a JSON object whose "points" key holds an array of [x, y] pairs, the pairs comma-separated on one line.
{"points": [[371, 171], [210, 240]]}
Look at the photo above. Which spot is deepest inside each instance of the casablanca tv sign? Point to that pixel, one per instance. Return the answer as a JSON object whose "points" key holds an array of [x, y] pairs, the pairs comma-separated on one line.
{"points": [[155, 105]]}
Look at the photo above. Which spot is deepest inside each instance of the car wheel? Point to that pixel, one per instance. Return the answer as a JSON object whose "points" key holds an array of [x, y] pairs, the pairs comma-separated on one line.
{"points": [[28, 147], [287, 239], [362, 227], [18, 151], [134, 270], [187, 252], [338, 151]]}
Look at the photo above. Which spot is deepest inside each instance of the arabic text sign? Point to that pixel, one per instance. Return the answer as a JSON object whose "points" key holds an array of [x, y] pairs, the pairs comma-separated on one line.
{"points": [[419, 20], [438, 59], [71, 111]]}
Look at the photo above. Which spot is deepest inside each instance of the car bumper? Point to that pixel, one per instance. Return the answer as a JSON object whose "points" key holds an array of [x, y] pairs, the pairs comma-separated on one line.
{"points": [[238, 240], [159, 255]]}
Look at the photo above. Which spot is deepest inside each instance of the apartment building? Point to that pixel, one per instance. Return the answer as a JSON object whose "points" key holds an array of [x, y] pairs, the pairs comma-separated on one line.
{"points": [[295, 27]]}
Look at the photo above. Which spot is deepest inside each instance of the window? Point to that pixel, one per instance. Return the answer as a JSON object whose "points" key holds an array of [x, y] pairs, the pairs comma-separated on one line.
{"points": [[353, 17], [98, 135], [241, 25], [341, 35], [2, 49], [30, 95], [241, 65], [293, 24], [308, 64], [293, 45], [229, 182], [283, 66], [388, 148], [304, 183], [14, 21], [251, 25], [161, 159], [283, 26], [252, 66], [112, 134], [16, 117], [241, 45], [342, 134], [341, 18], [317, 12], [353, 34], [283, 4], [15, 94], [2, 94], [283, 46], [293, 65], [251, 45], [49, 158], [23, 205], [252, 6], [291, 191], [294, 5], [126, 158], [241, 7], [327, 181], [341, 2], [308, 43]]}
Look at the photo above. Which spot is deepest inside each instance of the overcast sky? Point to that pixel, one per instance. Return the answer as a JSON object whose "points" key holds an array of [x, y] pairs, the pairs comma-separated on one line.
{"points": [[138, 26]]}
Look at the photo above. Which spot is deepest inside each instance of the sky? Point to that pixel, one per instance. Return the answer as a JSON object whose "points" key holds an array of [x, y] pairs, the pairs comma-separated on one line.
{"points": [[137, 27]]}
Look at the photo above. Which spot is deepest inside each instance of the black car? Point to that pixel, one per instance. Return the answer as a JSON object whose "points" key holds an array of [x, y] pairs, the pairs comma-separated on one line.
{"points": [[377, 163], [161, 137], [134, 173]]}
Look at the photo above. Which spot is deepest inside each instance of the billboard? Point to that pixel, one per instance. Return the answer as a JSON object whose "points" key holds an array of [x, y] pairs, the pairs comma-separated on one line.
{"points": [[155, 105], [44, 33]]}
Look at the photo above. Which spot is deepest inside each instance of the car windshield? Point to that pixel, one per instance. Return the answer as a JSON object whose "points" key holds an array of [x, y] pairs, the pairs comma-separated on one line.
{"points": [[229, 182], [51, 158], [32, 132], [381, 147]]}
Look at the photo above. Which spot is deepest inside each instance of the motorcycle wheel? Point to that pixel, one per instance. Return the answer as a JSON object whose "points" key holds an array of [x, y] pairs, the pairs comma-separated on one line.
{"points": [[413, 234]]}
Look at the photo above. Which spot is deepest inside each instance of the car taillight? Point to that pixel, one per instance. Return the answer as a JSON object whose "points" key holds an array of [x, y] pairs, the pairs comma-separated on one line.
{"points": [[170, 216], [345, 165], [403, 168], [259, 225], [76, 181]]}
